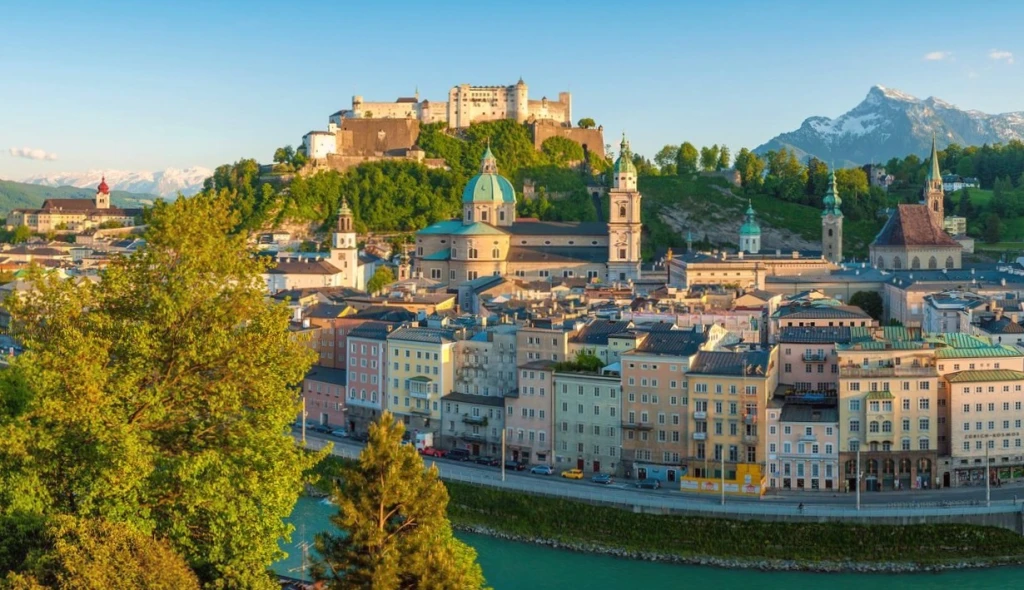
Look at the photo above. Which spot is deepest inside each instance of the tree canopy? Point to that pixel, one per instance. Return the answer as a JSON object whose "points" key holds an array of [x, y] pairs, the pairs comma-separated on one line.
{"points": [[396, 532], [160, 398], [381, 278]]}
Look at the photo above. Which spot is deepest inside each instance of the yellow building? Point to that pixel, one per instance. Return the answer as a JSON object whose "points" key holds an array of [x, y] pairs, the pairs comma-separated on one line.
{"points": [[729, 393], [74, 214], [421, 370]]}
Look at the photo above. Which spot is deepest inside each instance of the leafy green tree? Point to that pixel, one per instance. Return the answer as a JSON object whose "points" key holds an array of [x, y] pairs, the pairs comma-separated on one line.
{"points": [[869, 301], [644, 167], [586, 123], [686, 159], [110, 224], [284, 155], [97, 555], [963, 208], [665, 159], [724, 158], [560, 151], [396, 533], [708, 158], [161, 398], [382, 277], [993, 228], [751, 168], [817, 179], [965, 167], [852, 181]]}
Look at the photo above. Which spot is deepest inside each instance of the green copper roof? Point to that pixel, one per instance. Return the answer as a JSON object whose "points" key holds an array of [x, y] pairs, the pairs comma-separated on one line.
{"points": [[442, 227], [625, 162], [831, 201], [439, 255], [750, 226], [933, 171], [980, 352], [995, 375], [488, 186], [879, 395], [477, 229]]}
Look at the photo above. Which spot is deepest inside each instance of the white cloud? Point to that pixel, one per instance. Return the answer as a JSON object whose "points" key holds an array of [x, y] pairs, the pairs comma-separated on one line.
{"points": [[32, 153], [1001, 55], [938, 55]]}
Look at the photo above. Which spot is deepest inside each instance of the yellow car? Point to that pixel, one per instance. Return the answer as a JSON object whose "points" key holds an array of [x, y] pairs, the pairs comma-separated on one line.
{"points": [[573, 474]]}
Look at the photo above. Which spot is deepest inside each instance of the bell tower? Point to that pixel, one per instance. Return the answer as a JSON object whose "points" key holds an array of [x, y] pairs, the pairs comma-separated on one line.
{"points": [[933, 193], [624, 226], [344, 253], [103, 195], [832, 222]]}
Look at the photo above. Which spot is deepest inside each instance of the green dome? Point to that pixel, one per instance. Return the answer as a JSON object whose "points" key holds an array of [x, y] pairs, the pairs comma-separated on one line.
{"points": [[625, 161], [489, 186], [750, 226], [831, 202]]}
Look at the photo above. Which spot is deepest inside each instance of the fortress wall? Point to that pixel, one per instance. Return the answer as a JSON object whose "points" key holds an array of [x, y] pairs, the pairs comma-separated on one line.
{"points": [[592, 138]]}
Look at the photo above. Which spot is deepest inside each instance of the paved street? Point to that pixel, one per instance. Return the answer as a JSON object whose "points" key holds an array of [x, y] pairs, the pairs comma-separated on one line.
{"points": [[622, 491]]}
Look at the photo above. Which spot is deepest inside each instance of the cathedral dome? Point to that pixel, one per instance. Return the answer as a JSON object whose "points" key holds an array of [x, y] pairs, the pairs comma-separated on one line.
{"points": [[489, 186], [624, 163]]}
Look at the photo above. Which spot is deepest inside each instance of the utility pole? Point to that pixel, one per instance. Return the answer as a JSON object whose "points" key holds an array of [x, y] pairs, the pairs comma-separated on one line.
{"points": [[303, 419], [503, 454], [988, 479], [858, 476], [723, 475]]}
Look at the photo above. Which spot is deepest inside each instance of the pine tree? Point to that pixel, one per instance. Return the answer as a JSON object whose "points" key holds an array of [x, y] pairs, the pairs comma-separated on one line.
{"points": [[396, 532]]}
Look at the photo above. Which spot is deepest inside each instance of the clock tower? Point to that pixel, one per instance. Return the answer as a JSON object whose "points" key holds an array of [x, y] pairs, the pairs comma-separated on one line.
{"points": [[624, 225]]}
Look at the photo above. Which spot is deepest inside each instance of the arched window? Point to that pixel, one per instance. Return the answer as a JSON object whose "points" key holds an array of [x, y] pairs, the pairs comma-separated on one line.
{"points": [[496, 253], [501, 216], [455, 252], [932, 263], [473, 253], [935, 205], [469, 214], [915, 263], [483, 215], [897, 263], [949, 262], [873, 426], [887, 426], [830, 232], [622, 211]]}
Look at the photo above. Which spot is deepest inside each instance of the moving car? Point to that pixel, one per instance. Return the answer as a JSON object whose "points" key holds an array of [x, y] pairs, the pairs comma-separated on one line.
{"points": [[648, 484], [432, 452], [542, 470], [514, 465], [602, 478], [491, 461], [458, 455], [573, 474]]}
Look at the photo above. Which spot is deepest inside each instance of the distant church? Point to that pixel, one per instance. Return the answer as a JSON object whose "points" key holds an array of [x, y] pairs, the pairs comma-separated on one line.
{"points": [[74, 214], [914, 236], [490, 241]]}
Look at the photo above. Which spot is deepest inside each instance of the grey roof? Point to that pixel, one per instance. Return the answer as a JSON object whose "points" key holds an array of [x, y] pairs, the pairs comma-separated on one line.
{"points": [[371, 330], [809, 413], [557, 254], [1001, 326], [304, 267], [541, 365], [815, 335], [597, 331], [822, 312], [468, 398], [674, 343], [427, 335], [557, 228], [749, 363], [385, 313], [327, 375], [325, 310]]}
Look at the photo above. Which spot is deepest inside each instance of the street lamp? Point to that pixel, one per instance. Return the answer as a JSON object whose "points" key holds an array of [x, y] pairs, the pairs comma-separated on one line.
{"points": [[988, 479], [858, 476]]}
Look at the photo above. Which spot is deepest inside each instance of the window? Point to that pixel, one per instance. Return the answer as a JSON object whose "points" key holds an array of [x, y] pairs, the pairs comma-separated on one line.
{"points": [[922, 403], [854, 405], [906, 404], [923, 425], [854, 425]]}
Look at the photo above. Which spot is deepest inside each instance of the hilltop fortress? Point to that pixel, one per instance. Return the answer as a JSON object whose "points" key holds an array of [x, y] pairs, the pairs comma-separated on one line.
{"points": [[371, 131]]}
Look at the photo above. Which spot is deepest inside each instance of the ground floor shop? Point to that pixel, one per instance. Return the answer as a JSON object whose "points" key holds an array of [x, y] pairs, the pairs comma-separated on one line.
{"points": [[886, 471]]}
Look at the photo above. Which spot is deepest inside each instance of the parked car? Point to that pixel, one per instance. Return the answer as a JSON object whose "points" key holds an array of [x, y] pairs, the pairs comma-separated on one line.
{"points": [[542, 470], [573, 474], [515, 465], [360, 437], [491, 461], [323, 428], [602, 478], [458, 455], [432, 452], [648, 484], [340, 433]]}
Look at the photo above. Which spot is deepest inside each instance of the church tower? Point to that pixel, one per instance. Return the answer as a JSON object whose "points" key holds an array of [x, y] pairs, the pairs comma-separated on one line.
{"points": [[624, 225], [750, 233], [933, 194], [832, 222], [344, 253], [103, 195]]}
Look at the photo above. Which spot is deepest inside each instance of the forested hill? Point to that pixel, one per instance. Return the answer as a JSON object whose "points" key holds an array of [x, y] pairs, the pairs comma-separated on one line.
{"points": [[20, 195], [401, 195]]}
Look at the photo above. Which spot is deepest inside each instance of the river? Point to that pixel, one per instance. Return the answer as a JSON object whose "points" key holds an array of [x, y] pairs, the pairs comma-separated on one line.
{"points": [[509, 566]]}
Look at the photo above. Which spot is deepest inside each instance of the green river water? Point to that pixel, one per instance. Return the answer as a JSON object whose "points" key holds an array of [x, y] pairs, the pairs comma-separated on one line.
{"points": [[510, 566]]}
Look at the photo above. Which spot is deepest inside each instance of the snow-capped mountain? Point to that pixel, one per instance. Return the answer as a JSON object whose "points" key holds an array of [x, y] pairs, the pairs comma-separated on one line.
{"points": [[165, 183], [889, 123]]}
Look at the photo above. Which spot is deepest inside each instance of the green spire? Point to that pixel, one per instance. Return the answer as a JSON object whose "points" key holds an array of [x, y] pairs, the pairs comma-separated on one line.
{"points": [[488, 164], [933, 171], [625, 161], [345, 209], [831, 201], [750, 226]]}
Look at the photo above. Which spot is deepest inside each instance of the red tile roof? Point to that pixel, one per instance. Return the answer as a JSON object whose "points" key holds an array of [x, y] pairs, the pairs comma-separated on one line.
{"points": [[911, 225]]}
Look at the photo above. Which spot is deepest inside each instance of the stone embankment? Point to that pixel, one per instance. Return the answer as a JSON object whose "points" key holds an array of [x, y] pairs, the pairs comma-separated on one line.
{"points": [[774, 565]]}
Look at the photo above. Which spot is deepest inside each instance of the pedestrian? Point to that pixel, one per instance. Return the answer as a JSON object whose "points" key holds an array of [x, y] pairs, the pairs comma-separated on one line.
{"points": [[800, 507]]}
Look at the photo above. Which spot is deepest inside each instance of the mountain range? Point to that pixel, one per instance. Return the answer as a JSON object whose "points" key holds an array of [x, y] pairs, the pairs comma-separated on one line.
{"points": [[164, 183], [889, 123]]}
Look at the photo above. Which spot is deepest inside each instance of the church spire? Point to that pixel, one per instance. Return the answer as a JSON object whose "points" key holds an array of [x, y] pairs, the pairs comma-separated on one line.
{"points": [[831, 202]]}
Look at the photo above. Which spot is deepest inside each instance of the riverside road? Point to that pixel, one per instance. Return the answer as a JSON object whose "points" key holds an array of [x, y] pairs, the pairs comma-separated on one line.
{"points": [[966, 500]]}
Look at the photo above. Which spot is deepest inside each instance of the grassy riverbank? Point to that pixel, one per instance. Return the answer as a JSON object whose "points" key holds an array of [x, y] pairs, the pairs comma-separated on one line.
{"points": [[576, 523]]}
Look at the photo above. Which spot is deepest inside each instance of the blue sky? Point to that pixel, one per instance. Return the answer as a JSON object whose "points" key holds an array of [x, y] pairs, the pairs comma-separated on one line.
{"points": [[149, 85]]}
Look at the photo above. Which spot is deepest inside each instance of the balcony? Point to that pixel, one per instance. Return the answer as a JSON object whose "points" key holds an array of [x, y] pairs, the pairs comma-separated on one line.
{"points": [[420, 411], [700, 415], [750, 439], [887, 371], [808, 438], [750, 418], [700, 436], [419, 387], [815, 357], [479, 420], [638, 425], [474, 436]]}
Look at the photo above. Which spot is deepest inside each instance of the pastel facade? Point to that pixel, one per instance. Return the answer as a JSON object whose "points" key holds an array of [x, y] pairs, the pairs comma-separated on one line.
{"points": [[421, 370], [588, 409], [986, 422], [323, 391], [803, 444], [366, 374], [472, 422], [530, 414]]}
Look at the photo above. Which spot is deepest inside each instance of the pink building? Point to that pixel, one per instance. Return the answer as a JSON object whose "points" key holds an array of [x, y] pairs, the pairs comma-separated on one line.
{"points": [[323, 391], [807, 355], [529, 417], [367, 366]]}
